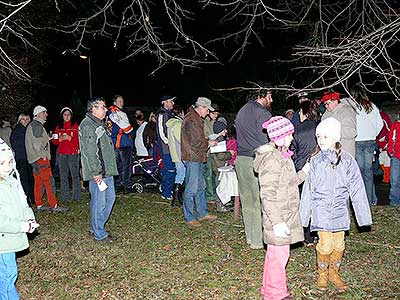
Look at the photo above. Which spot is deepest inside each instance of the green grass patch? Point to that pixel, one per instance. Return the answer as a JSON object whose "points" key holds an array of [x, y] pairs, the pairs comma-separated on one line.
{"points": [[157, 257]]}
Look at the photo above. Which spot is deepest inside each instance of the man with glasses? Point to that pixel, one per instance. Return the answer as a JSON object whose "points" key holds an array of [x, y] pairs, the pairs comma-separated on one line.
{"points": [[98, 167], [343, 111]]}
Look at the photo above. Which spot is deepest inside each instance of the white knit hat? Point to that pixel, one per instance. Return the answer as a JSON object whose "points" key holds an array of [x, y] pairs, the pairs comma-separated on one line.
{"points": [[38, 109], [5, 154], [329, 127]]}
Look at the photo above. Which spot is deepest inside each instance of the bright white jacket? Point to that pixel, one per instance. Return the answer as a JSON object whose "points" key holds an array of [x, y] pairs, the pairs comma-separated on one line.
{"points": [[368, 125]]}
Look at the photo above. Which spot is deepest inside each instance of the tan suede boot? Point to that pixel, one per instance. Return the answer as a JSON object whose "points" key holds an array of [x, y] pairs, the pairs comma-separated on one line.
{"points": [[322, 270], [334, 266]]}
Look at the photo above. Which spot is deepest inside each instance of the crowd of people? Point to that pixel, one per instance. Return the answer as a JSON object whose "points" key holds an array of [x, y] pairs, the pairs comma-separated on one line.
{"points": [[295, 173]]}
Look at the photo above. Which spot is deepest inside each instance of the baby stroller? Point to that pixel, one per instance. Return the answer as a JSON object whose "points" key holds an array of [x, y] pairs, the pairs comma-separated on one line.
{"points": [[146, 175]]}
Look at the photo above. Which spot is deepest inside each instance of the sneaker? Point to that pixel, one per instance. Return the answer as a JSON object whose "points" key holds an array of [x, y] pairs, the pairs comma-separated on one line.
{"points": [[208, 218], [167, 198], [60, 209], [42, 208], [107, 240], [193, 224], [309, 245], [223, 209]]}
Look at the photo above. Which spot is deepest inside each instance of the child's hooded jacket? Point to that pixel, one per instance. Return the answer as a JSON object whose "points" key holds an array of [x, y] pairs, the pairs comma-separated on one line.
{"points": [[326, 193], [279, 194]]}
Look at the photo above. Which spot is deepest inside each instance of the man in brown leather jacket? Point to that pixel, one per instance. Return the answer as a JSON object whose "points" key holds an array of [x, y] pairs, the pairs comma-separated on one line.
{"points": [[194, 147]]}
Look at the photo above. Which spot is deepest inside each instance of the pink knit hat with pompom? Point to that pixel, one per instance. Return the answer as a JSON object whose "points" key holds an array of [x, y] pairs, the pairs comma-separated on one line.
{"points": [[278, 127]]}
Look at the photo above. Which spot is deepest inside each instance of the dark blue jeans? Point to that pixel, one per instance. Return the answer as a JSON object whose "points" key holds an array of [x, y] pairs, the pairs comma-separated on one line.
{"points": [[168, 176], [123, 157], [364, 157]]}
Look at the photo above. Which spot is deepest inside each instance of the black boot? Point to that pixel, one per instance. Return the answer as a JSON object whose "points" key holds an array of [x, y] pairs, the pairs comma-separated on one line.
{"points": [[181, 189], [175, 195]]}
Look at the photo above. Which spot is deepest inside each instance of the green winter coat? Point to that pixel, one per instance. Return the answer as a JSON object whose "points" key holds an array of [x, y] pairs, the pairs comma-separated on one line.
{"points": [[96, 148], [14, 211], [208, 126], [174, 128]]}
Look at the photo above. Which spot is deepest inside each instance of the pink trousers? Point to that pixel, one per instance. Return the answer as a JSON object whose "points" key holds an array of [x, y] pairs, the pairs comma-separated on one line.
{"points": [[274, 285]]}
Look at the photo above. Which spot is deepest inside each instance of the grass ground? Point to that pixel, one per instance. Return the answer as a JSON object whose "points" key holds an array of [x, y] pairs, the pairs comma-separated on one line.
{"points": [[157, 257]]}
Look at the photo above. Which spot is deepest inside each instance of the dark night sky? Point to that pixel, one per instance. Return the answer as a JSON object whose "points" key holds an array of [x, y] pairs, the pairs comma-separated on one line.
{"points": [[131, 78], [65, 76]]}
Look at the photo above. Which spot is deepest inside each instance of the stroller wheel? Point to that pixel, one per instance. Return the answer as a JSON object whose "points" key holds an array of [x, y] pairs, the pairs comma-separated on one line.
{"points": [[137, 187]]}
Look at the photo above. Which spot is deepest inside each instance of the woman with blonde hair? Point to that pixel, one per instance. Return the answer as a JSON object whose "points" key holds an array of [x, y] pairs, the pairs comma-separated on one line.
{"points": [[23, 166]]}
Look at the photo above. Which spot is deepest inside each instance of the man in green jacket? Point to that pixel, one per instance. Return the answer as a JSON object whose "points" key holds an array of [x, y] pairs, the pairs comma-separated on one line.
{"points": [[38, 155], [98, 167]]}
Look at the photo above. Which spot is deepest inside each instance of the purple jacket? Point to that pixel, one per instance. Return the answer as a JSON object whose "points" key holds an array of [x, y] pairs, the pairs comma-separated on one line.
{"points": [[326, 192]]}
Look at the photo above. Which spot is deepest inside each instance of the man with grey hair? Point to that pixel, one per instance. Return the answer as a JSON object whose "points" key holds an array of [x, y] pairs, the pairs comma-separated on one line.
{"points": [[98, 167], [250, 135], [38, 155], [194, 147]]}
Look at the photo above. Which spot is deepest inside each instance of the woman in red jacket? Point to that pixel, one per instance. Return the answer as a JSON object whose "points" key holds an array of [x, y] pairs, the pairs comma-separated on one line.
{"points": [[66, 138], [394, 152]]}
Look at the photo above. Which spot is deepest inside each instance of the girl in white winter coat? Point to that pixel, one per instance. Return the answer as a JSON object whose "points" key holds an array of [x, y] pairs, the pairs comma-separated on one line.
{"points": [[334, 177]]}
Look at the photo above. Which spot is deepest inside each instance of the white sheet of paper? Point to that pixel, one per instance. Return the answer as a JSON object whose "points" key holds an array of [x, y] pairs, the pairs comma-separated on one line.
{"points": [[102, 186], [220, 147]]}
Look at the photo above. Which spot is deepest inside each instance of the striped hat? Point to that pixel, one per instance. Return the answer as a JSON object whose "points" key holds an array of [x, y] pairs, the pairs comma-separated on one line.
{"points": [[278, 127]]}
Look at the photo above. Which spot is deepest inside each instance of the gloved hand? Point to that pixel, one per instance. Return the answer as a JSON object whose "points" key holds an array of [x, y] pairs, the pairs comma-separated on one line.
{"points": [[306, 168], [29, 226], [281, 230]]}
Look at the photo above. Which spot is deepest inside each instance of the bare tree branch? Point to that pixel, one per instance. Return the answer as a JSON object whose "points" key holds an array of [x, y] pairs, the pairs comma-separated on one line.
{"points": [[8, 26], [345, 40]]}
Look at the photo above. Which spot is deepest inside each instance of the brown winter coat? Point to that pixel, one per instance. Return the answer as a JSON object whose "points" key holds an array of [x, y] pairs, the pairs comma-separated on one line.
{"points": [[194, 144], [279, 194]]}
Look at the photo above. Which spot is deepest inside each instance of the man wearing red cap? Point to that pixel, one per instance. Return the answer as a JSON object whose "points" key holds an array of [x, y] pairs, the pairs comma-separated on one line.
{"points": [[343, 111]]}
